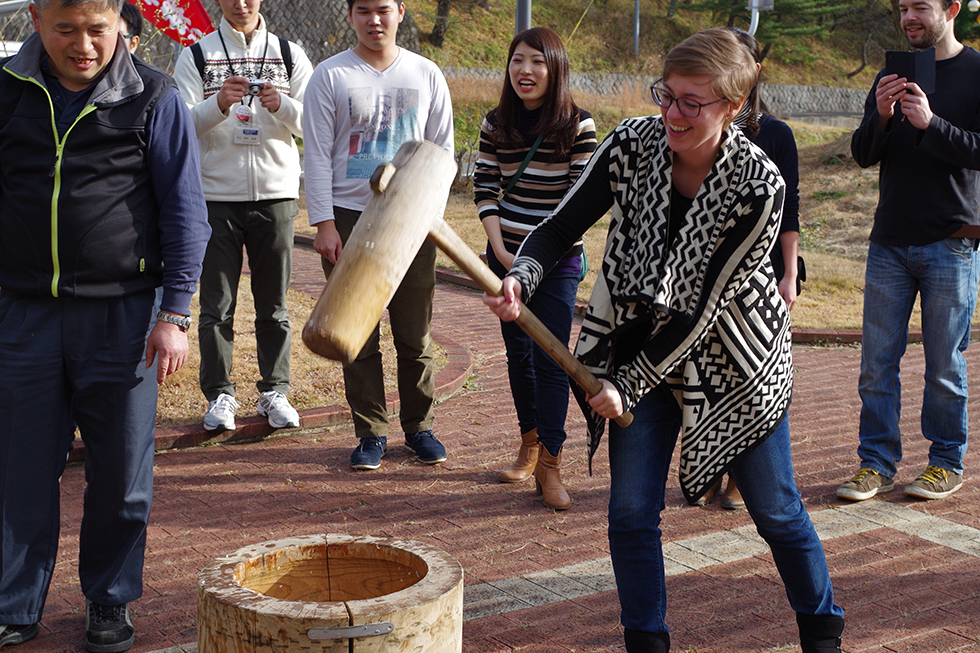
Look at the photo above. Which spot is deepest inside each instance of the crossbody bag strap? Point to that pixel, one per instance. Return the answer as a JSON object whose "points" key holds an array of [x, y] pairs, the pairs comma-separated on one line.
{"points": [[527, 160]]}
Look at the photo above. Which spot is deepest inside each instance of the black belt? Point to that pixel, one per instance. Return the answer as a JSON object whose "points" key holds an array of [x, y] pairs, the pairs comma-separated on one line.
{"points": [[967, 231]]}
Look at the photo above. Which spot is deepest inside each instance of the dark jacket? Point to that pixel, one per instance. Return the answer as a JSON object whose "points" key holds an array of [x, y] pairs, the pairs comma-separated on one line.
{"points": [[79, 212]]}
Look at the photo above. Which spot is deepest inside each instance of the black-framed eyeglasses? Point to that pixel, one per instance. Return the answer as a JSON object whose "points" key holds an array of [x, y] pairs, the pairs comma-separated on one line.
{"points": [[688, 107]]}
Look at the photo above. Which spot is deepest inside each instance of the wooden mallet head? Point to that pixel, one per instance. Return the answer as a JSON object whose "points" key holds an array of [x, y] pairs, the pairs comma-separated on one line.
{"points": [[410, 197]]}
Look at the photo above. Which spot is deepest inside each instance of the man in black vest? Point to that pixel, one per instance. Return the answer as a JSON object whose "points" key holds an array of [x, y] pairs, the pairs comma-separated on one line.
{"points": [[103, 228]]}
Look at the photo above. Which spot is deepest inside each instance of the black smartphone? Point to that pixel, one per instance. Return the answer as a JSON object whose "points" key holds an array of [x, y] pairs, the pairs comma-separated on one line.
{"points": [[918, 66]]}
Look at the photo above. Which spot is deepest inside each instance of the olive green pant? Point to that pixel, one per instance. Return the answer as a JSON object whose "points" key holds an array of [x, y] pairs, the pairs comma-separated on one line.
{"points": [[265, 231], [410, 314]]}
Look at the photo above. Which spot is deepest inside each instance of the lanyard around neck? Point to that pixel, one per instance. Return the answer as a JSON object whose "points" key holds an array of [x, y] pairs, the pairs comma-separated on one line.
{"points": [[232, 68]]}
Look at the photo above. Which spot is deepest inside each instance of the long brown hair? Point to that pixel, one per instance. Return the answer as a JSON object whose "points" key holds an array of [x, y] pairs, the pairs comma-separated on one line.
{"points": [[559, 116]]}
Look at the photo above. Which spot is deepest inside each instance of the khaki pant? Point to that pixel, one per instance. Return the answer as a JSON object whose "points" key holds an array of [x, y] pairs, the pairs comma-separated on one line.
{"points": [[265, 231], [410, 313]]}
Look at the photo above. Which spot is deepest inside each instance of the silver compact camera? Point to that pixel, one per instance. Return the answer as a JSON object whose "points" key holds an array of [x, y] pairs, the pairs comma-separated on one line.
{"points": [[255, 86]]}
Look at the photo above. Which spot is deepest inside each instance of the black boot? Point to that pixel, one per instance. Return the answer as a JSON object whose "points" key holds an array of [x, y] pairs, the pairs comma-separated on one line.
{"points": [[640, 642], [820, 633]]}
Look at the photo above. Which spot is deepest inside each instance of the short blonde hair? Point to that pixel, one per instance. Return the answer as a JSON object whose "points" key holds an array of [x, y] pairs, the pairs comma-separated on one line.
{"points": [[719, 54]]}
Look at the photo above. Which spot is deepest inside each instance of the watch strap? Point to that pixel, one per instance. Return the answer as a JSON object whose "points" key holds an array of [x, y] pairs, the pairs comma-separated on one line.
{"points": [[181, 321]]}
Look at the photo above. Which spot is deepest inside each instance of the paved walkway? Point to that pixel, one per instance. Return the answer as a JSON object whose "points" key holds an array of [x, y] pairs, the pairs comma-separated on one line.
{"points": [[907, 572]]}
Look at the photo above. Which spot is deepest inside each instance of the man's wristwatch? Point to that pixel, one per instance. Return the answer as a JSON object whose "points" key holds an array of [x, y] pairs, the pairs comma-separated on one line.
{"points": [[183, 322]]}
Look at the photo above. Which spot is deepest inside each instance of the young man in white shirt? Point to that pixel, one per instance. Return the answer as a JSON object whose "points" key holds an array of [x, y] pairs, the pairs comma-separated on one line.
{"points": [[361, 106]]}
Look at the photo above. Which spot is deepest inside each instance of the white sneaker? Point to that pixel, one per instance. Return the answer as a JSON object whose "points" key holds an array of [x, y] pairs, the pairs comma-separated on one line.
{"points": [[221, 414], [275, 406]]}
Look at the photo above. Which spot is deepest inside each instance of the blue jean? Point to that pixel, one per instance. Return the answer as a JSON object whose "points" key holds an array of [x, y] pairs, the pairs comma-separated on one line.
{"points": [[65, 362], [539, 384], [944, 275], [639, 461]]}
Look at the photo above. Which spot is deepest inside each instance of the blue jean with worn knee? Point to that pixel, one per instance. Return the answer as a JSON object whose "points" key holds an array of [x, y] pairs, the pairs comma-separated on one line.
{"points": [[538, 383], [944, 274], [639, 460]]}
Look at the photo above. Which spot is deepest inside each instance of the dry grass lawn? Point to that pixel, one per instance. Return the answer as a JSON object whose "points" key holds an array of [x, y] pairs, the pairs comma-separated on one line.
{"points": [[315, 381]]}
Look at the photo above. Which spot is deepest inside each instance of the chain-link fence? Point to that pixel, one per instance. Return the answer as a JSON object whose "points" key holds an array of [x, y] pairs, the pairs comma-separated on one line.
{"points": [[321, 27]]}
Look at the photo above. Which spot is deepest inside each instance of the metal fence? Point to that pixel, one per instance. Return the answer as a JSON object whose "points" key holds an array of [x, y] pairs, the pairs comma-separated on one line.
{"points": [[321, 27]]}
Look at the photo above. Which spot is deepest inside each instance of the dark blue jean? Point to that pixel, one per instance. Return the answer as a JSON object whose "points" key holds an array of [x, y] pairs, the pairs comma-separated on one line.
{"points": [[540, 385], [639, 461], [65, 362], [944, 275]]}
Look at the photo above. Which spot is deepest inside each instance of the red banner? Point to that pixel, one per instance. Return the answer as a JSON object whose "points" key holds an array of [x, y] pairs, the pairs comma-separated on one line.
{"points": [[185, 21]]}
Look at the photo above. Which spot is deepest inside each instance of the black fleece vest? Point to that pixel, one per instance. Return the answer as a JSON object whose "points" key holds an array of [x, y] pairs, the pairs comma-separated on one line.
{"points": [[78, 216]]}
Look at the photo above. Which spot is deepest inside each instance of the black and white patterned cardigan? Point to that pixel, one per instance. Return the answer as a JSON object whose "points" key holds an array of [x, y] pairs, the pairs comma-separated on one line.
{"points": [[718, 330]]}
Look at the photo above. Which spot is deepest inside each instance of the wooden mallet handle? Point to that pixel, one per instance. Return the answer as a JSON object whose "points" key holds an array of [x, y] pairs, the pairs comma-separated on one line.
{"points": [[448, 241]]}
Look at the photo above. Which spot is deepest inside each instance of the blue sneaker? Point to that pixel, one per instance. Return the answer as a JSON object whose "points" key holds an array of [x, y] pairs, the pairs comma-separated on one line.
{"points": [[369, 453], [426, 448]]}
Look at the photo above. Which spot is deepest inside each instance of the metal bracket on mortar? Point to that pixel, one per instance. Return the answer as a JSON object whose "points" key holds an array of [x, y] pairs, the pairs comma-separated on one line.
{"points": [[348, 632]]}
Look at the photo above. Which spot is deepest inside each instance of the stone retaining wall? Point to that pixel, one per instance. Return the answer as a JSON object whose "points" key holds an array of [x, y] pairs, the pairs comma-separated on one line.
{"points": [[784, 100]]}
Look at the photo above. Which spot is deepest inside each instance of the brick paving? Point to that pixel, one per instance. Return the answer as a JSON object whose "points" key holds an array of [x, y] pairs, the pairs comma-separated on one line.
{"points": [[907, 572]]}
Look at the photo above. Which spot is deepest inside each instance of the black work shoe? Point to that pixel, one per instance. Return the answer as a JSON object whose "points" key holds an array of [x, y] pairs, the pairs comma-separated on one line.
{"points": [[108, 628], [426, 448], [10, 635], [820, 633]]}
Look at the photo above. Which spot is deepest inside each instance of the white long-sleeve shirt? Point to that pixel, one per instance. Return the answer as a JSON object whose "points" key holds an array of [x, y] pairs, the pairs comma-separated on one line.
{"points": [[233, 172], [357, 117]]}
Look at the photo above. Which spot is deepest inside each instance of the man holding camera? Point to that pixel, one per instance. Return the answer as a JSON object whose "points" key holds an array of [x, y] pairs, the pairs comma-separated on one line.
{"points": [[923, 242], [244, 87]]}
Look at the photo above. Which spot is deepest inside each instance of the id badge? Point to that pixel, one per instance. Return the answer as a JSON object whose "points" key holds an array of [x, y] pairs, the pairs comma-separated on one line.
{"points": [[246, 135]]}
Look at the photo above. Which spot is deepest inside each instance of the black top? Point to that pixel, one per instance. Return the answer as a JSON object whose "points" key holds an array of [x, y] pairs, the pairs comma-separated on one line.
{"points": [[929, 180]]}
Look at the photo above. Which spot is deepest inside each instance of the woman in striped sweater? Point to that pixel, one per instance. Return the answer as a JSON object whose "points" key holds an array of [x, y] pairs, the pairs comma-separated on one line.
{"points": [[537, 123]]}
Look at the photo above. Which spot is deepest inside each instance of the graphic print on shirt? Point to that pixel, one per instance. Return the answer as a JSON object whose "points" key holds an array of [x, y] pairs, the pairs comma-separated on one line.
{"points": [[379, 125]]}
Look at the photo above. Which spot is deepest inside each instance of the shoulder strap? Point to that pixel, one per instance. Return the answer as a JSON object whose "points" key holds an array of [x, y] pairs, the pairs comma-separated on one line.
{"points": [[287, 57], [527, 160], [198, 53]]}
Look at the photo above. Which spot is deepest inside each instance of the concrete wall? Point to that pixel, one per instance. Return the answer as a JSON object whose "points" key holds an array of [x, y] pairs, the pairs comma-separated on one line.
{"points": [[785, 101]]}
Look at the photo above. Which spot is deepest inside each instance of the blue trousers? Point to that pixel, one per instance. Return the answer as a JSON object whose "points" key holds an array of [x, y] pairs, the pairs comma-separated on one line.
{"points": [[67, 362], [639, 461], [539, 385], [945, 276]]}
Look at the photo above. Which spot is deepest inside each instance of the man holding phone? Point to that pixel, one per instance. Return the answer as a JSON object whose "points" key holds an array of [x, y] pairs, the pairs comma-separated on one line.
{"points": [[923, 242]]}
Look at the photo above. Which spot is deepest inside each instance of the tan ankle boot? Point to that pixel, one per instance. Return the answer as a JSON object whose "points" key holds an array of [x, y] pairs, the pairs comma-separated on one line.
{"points": [[708, 496], [527, 458], [547, 481], [732, 500]]}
